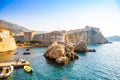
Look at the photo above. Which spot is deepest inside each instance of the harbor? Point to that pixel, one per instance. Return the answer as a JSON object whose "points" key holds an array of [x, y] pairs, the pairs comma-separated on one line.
{"points": [[16, 65], [7, 68], [89, 66], [96, 64]]}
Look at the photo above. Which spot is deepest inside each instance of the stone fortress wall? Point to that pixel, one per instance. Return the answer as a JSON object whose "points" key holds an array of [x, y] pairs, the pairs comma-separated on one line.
{"points": [[7, 41]]}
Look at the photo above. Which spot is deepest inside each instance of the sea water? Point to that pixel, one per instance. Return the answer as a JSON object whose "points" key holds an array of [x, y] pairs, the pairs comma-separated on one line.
{"points": [[104, 64]]}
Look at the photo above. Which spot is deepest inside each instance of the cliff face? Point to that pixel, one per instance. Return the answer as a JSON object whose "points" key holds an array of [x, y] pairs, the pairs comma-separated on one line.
{"points": [[88, 34]]}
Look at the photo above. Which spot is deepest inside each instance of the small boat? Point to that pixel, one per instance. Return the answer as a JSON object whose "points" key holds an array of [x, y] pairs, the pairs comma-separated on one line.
{"points": [[22, 60], [6, 71], [28, 69], [27, 52]]}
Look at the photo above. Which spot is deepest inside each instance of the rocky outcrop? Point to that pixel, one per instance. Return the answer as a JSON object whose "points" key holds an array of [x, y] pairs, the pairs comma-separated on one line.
{"points": [[82, 47], [61, 53]]}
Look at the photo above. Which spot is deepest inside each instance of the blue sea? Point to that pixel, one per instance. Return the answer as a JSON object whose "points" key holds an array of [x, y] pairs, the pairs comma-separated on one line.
{"points": [[104, 64]]}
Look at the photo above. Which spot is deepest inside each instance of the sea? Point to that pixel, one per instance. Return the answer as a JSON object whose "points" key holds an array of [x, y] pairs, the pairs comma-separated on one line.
{"points": [[104, 64]]}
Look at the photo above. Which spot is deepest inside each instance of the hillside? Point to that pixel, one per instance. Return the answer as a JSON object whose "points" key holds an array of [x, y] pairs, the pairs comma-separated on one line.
{"points": [[13, 27], [113, 38]]}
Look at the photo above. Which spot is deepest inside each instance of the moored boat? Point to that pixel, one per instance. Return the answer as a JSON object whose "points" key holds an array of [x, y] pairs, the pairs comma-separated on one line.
{"points": [[6, 71], [27, 52], [28, 69]]}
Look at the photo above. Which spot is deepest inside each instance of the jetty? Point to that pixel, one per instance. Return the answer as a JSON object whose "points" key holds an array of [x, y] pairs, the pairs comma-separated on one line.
{"points": [[16, 65]]}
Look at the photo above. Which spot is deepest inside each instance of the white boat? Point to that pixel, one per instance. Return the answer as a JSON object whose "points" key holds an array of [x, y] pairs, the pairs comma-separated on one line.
{"points": [[6, 71]]}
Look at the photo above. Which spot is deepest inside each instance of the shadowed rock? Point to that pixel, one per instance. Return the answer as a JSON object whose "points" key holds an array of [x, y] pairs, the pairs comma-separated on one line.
{"points": [[82, 47]]}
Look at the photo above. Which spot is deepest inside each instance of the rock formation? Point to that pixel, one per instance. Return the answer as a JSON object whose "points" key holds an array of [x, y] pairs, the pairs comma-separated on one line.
{"points": [[81, 46], [61, 53]]}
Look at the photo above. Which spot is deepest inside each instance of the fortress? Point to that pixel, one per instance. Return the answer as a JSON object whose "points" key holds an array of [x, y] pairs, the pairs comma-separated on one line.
{"points": [[44, 38], [7, 41], [88, 34]]}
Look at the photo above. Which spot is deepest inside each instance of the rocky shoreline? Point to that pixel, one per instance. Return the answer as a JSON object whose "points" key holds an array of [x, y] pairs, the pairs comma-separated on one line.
{"points": [[81, 46], [63, 53]]}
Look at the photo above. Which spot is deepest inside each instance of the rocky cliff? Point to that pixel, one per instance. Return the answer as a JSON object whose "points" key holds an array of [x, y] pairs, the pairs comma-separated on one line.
{"points": [[61, 53], [89, 34]]}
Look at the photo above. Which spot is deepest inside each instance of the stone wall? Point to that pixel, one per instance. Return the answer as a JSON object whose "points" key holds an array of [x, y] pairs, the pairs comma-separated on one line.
{"points": [[19, 38], [7, 44], [91, 35]]}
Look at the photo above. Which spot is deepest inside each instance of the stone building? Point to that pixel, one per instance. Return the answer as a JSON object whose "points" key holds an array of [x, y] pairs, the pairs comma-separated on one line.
{"points": [[28, 36], [4, 32], [91, 35], [19, 37], [7, 42], [88, 28], [44, 38], [88, 34], [58, 36]]}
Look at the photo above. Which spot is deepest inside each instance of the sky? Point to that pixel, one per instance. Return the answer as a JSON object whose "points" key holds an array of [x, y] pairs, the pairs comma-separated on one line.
{"points": [[49, 15]]}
